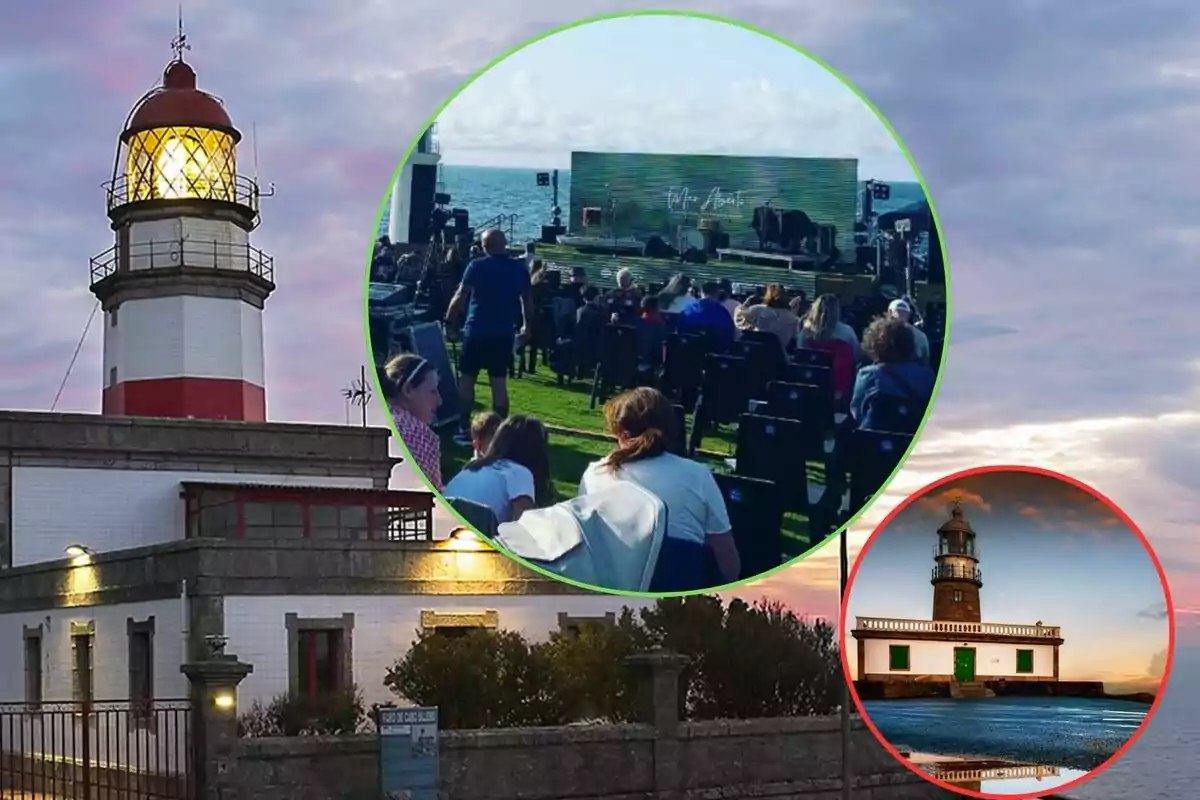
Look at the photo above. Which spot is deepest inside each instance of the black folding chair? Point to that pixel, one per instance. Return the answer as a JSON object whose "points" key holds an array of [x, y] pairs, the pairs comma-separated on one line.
{"points": [[896, 414], [618, 367], [756, 515], [812, 357], [683, 369], [679, 442], [477, 515], [821, 377], [872, 458], [764, 360], [722, 397]]}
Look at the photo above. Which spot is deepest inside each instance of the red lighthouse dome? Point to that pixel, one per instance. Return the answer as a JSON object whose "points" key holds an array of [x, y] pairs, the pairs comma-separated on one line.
{"points": [[179, 103]]}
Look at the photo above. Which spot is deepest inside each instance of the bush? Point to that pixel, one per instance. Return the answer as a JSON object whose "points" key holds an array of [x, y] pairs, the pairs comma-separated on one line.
{"points": [[334, 714], [482, 679], [746, 661]]}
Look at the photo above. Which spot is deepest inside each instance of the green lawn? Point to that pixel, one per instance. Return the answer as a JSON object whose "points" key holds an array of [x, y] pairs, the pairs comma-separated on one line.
{"points": [[565, 408]]}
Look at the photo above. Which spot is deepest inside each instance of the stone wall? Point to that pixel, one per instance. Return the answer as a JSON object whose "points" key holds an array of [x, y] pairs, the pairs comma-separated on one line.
{"points": [[770, 758], [658, 758]]}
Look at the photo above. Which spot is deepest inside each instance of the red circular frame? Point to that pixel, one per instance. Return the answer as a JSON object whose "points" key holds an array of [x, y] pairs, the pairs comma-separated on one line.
{"points": [[1046, 473]]}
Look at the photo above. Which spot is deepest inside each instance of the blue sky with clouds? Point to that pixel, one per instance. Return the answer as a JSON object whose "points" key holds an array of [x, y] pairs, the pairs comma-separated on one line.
{"points": [[663, 84], [1055, 138]]}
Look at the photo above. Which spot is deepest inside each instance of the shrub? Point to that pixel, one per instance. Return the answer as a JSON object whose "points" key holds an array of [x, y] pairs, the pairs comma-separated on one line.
{"points": [[746, 661], [332, 714], [482, 679]]}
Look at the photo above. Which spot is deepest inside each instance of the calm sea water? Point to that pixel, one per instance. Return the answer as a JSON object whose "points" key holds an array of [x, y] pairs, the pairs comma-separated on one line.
{"points": [[1058, 732], [489, 191], [1164, 763]]}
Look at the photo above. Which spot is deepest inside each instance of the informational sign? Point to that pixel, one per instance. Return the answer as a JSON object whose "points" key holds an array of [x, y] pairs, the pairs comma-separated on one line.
{"points": [[408, 753]]}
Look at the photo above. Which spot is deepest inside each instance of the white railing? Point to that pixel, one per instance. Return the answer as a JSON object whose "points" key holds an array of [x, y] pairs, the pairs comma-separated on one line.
{"points": [[995, 773], [885, 624]]}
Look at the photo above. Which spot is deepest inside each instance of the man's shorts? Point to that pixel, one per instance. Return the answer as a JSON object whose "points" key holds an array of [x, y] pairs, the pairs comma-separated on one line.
{"points": [[490, 355]]}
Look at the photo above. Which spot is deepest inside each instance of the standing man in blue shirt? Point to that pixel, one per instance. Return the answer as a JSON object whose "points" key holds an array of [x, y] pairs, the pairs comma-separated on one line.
{"points": [[496, 295], [708, 315]]}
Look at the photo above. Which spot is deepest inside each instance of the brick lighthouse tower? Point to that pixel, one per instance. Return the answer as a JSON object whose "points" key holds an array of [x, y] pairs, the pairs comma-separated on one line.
{"points": [[182, 289], [956, 576]]}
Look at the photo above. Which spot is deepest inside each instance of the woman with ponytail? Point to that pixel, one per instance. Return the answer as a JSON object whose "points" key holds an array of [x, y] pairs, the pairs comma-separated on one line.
{"points": [[697, 520], [410, 386]]}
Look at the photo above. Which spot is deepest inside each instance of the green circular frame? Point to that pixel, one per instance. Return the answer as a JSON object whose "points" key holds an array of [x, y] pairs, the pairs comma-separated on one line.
{"points": [[383, 207]]}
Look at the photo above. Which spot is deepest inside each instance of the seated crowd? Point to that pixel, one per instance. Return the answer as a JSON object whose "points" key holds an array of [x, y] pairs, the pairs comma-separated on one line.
{"points": [[510, 472]]}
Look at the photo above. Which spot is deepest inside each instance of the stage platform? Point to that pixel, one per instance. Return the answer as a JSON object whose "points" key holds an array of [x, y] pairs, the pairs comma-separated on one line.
{"points": [[767, 259], [602, 271]]}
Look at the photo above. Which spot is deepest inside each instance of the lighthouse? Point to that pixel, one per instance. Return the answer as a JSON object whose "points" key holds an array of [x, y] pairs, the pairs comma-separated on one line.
{"points": [[956, 576], [182, 288]]}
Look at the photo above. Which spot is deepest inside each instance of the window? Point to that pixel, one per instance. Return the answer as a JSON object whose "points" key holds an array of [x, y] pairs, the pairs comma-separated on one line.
{"points": [[141, 666], [320, 662], [112, 318], [33, 666], [82, 667], [279, 520], [320, 655], [112, 376], [958, 595], [1024, 661], [898, 657]]}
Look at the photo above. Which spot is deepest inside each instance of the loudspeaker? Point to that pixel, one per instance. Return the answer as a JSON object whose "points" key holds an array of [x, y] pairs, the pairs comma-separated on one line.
{"points": [[543, 179], [591, 216], [441, 199], [462, 220], [937, 267]]}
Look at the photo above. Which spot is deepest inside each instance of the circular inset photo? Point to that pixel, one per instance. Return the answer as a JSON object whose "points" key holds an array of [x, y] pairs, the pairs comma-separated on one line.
{"points": [[1007, 632], [657, 302]]}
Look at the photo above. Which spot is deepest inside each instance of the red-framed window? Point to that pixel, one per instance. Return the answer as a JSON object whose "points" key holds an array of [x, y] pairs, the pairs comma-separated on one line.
{"points": [[257, 512], [320, 662]]}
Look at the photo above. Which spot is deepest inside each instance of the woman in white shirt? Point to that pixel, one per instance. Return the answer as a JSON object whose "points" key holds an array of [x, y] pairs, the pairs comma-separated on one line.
{"points": [[513, 476], [697, 520]]}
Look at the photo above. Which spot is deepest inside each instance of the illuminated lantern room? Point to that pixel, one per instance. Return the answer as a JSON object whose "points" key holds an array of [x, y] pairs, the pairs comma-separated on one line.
{"points": [[182, 287], [178, 144]]}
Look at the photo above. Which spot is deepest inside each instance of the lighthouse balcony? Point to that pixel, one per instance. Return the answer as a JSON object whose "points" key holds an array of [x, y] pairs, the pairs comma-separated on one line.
{"points": [[183, 253], [957, 572], [185, 185], [883, 626]]}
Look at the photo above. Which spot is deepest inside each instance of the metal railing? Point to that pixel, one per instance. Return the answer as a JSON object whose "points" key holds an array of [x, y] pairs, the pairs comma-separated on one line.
{"points": [[506, 223], [101, 750], [887, 624], [178, 253], [956, 572], [241, 190], [952, 775]]}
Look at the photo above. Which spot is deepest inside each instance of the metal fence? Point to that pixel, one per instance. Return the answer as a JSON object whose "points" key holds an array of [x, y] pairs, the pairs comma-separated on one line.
{"points": [[96, 750]]}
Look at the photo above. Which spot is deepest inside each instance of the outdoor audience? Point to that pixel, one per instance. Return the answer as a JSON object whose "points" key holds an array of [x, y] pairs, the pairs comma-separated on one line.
{"points": [[510, 470]]}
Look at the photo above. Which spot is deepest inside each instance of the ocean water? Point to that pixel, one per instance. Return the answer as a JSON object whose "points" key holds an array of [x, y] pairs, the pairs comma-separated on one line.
{"points": [[490, 191], [1164, 763], [1059, 732]]}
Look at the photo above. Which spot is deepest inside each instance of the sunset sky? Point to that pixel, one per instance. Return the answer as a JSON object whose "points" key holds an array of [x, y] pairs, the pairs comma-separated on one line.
{"points": [[1049, 552], [1072, 237]]}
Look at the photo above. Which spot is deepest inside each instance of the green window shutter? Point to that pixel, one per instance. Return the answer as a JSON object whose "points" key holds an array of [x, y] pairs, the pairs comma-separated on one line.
{"points": [[898, 656], [1024, 661]]}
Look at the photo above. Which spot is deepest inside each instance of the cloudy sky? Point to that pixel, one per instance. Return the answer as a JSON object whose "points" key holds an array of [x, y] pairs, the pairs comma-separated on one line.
{"points": [[567, 92], [1055, 137], [1049, 552]]}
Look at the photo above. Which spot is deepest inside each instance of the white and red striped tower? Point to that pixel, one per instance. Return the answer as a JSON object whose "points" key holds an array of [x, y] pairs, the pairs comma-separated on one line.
{"points": [[182, 288]]}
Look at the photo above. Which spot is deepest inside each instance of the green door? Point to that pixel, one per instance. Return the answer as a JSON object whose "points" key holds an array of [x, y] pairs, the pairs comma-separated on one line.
{"points": [[964, 664]]}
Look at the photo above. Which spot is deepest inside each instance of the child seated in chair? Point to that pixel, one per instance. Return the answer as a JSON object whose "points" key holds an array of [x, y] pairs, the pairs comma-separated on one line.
{"points": [[513, 474]]}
